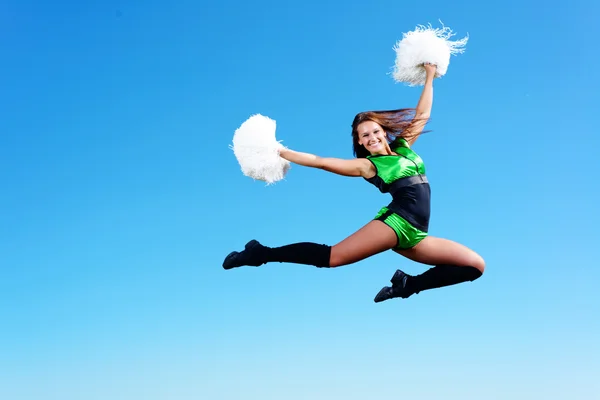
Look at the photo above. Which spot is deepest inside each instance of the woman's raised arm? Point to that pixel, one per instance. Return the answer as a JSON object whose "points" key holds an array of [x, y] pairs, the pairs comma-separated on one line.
{"points": [[423, 110]]}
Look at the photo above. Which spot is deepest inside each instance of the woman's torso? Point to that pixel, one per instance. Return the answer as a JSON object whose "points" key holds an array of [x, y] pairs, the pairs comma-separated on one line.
{"points": [[403, 176]]}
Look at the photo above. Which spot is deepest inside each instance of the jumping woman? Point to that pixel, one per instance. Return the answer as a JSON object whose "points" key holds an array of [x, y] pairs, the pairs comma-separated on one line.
{"points": [[382, 143]]}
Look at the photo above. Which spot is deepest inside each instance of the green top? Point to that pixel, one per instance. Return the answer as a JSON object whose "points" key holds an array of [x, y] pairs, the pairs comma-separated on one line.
{"points": [[390, 168]]}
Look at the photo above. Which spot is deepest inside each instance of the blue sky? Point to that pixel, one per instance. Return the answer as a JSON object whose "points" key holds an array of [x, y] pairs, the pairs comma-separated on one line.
{"points": [[121, 198]]}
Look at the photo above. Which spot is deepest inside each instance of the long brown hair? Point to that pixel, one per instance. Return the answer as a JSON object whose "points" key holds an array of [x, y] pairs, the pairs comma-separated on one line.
{"points": [[395, 123]]}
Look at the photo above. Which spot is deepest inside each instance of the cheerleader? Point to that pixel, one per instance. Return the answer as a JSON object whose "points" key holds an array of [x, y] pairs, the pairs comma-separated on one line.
{"points": [[384, 157]]}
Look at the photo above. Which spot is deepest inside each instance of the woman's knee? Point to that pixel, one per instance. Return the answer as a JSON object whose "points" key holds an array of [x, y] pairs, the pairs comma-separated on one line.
{"points": [[338, 258], [342, 255], [478, 262]]}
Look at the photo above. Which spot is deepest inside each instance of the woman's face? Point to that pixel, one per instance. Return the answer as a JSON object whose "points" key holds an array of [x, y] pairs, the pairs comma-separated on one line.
{"points": [[372, 136]]}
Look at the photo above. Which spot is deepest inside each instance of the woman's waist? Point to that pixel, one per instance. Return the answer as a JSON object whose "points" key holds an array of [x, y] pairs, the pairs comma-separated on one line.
{"points": [[413, 204], [399, 184]]}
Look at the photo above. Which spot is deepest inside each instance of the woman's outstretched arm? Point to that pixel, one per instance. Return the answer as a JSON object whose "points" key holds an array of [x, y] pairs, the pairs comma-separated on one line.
{"points": [[356, 167], [423, 110]]}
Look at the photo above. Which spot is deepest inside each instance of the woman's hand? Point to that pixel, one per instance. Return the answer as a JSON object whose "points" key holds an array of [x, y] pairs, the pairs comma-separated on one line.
{"points": [[430, 69]]}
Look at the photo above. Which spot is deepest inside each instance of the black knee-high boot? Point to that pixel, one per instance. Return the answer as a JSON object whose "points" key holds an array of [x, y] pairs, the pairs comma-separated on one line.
{"points": [[404, 285], [256, 254], [442, 275]]}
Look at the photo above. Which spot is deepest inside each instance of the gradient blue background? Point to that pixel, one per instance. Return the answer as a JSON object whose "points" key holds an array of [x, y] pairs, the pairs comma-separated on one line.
{"points": [[120, 198]]}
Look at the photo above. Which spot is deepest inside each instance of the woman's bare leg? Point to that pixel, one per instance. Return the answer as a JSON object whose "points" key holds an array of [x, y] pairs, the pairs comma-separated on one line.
{"points": [[435, 251], [373, 238], [454, 263]]}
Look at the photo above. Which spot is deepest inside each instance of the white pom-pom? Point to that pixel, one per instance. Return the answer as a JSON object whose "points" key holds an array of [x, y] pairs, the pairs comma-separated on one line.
{"points": [[424, 45], [257, 150]]}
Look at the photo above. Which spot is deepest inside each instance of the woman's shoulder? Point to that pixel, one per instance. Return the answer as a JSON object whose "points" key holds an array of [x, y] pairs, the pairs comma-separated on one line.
{"points": [[399, 143]]}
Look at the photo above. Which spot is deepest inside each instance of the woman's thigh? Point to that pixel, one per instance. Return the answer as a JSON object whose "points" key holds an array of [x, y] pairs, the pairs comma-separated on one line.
{"points": [[436, 251], [373, 238]]}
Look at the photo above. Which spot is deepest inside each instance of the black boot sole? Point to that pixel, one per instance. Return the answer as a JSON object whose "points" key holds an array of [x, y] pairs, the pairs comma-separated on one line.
{"points": [[232, 261], [398, 290]]}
